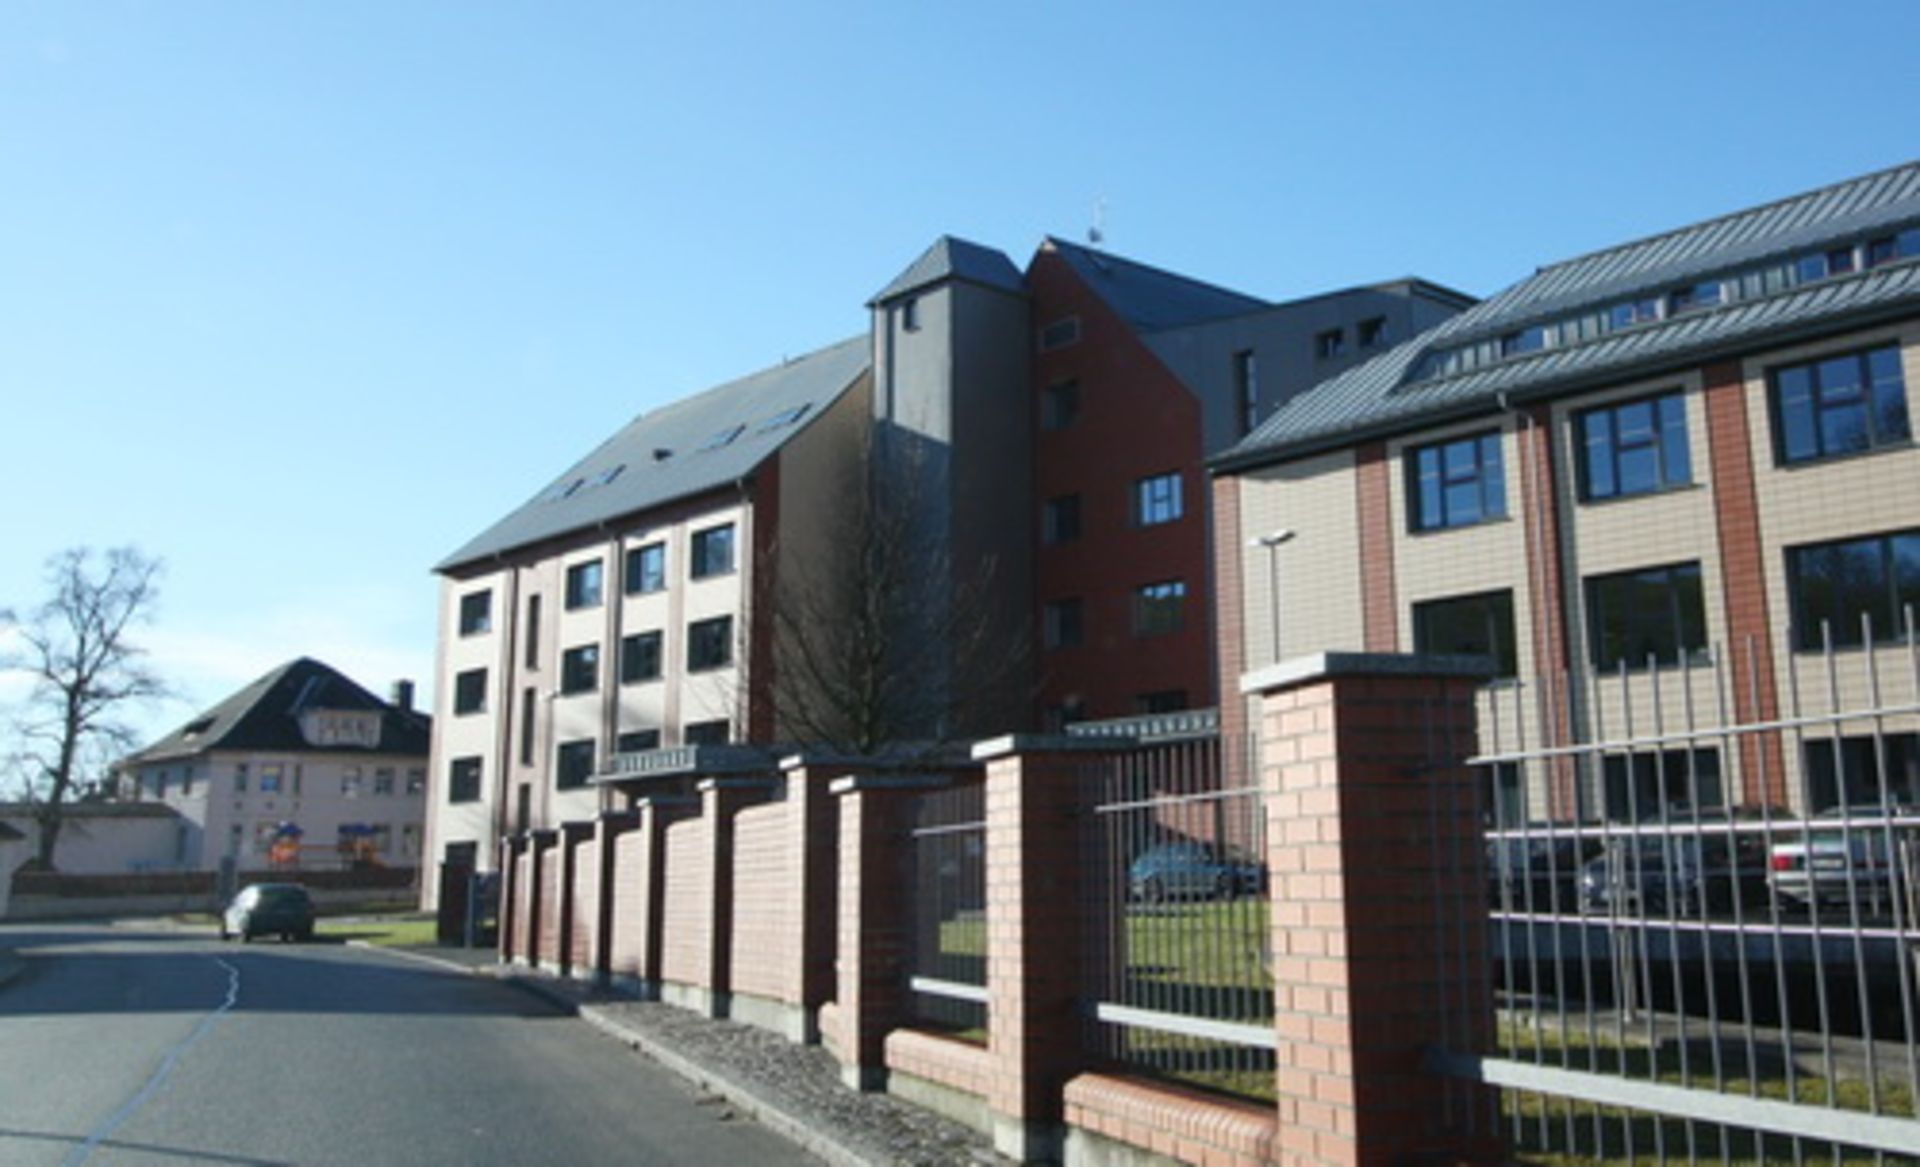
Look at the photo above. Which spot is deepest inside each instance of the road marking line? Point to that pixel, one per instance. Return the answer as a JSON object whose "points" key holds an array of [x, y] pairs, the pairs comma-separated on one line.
{"points": [[132, 1106]]}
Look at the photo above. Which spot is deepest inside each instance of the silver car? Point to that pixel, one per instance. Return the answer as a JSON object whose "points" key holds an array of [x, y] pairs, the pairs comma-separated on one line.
{"points": [[1849, 854]]}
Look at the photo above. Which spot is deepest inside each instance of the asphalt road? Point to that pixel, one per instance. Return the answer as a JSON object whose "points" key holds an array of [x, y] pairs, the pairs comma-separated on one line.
{"points": [[127, 1047]]}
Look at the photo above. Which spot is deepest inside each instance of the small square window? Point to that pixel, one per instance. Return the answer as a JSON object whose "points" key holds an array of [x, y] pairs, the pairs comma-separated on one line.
{"points": [[710, 644], [1062, 623], [1330, 344], [580, 669], [470, 691], [574, 764], [1059, 405], [1159, 608], [910, 314], [647, 569], [1060, 334], [640, 657], [1474, 625], [1457, 483], [476, 613], [1373, 332], [1157, 499], [583, 585], [712, 551], [463, 780], [1060, 522]]}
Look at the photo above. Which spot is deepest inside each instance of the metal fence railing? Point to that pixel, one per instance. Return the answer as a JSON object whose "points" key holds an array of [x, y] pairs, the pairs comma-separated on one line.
{"points": [[949, 970], [1703, 908], [1175, 887]]}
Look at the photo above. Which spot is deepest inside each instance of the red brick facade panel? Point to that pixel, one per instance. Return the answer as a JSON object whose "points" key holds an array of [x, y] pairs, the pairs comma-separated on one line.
{"points": [[687, 905], [585, 907], [548, 942], [1187, 1125], [768, 911], [631, 905]]}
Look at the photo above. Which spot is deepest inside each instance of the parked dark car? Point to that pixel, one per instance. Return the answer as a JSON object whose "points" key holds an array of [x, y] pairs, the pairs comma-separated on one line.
{"points": [[1190, 870], [1536, 869], [1687, 867], [269, 909]]}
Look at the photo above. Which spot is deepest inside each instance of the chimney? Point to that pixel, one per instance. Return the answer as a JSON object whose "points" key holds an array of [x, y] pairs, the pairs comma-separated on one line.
{"points": [[403, 696]]}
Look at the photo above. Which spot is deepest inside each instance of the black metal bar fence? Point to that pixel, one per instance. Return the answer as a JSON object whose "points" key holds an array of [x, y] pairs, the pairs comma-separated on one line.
{"points": [[1179, 982], [1703, 906], [949, 970]]}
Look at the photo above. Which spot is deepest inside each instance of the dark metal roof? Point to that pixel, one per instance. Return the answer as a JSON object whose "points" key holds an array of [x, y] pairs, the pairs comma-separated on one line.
{"points": [[266, 716], [1381, 397], [1148, 298], [954, 259], [86, 810], [683, 449]]}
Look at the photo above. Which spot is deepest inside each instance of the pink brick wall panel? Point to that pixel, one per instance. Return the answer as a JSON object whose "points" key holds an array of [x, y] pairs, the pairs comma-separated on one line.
{"points": [[629, 942], [687, 905], [768, 917], [586, 904], [549, 924]]}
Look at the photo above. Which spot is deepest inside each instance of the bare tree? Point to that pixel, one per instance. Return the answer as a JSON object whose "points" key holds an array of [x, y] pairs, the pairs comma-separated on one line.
{"points": [[881, 646], [83, 671]]}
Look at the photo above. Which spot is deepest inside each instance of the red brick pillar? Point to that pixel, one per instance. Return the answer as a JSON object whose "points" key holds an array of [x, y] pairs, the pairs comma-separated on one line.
{"points": [[1034, 973], [1379, 914], [639, 901], [510, 918], [875, 941], [605, 856], [541, 908], [720, 800], [817, 817]]}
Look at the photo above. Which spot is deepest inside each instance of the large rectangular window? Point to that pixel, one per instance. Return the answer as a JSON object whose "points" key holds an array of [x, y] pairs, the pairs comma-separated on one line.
{"points": [[707, 733], [640, 657], [1634, 448], [1457, 483], [580, 669], [470, 691], [1475, 625], [1159, 608], [1669, 785], [1838, 588], [1862, 771], [573, 764], [584, 582], [1652, 614], [463, 780], [712, 551], [1157, 499], [1840, 405], [710, 643], [476, 613], [637, 741], [647, 569]]}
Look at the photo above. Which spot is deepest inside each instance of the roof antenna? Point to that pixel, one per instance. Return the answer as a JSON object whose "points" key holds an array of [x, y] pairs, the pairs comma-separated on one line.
{"points": [[1097, 234]]}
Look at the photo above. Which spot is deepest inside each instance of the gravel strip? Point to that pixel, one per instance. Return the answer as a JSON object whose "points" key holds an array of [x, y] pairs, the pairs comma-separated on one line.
{"points": [[792, 1089]]}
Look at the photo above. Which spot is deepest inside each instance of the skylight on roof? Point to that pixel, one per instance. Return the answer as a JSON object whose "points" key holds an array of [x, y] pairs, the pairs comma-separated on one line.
{"points": [[724, 437], [784, 418]]}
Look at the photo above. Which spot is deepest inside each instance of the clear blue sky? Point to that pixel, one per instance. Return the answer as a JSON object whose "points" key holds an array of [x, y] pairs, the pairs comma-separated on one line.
{"points": [[298, 297]]}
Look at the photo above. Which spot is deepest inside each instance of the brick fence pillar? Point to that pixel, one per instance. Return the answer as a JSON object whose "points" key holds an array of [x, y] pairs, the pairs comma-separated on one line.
{"points": [[1034, 973], [509, 917], [540, 914], [605, 858], [875, 941], [816, 900], [1379, 915], [564, 864], [639, 907], [720, 800]]}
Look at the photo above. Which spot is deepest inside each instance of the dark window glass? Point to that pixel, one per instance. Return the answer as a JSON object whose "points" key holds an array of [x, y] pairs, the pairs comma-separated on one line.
{"points": [[1157, 500], [573, 764], [1668, 785], [1062, 623], [470, 691], [1330, 344], [1060, 523], [1476, 625], [1840, 405], [1654, 612], [529, 701], [583, 585], [533, 632], [710, 643], [1164, 701], [476, 613], [1246, 383], [638, 741], [712, 551], [708, 733], [1848, 771], [580, 669], [910, 315], [1060, 334], [1373, 332], [640, 657], [1634, 447], [1059, 405], [1633, 312], [1159, 608], [1838, 586], [1458, 483], [463, 780], [1525, 340], [647, 568]]}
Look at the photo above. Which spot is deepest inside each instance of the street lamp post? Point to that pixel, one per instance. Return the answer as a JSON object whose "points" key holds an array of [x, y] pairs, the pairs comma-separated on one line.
{"points": [[1272, 543]]}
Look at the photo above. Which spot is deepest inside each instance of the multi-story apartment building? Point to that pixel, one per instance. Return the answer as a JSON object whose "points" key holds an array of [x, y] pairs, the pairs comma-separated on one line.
{"points": [[1044, 431], [1139, 375], [301, 767], [1689, 450]]}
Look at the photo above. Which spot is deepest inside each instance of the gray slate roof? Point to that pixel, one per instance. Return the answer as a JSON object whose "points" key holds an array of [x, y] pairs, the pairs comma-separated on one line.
{"points": [[672, 453], [1379, 397], [954, 259], [85, 810], [266, 716], [1148, 298]]}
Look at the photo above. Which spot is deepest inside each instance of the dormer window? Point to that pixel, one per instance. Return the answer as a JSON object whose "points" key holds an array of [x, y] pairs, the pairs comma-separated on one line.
{"points": [[722, 438], [910, 314]]}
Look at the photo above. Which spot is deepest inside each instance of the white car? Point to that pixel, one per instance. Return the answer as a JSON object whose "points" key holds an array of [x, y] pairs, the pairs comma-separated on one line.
{"points": [[1847, 854]]}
